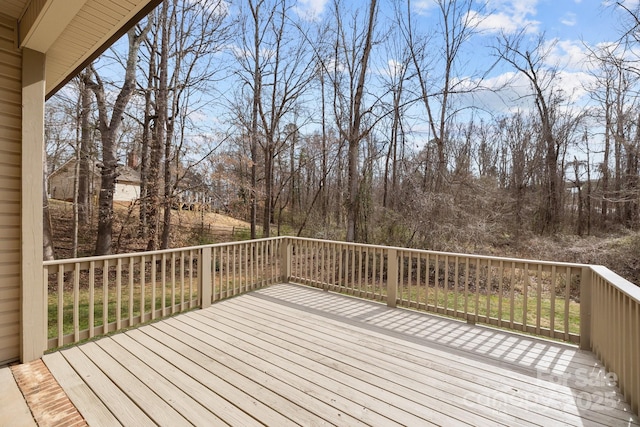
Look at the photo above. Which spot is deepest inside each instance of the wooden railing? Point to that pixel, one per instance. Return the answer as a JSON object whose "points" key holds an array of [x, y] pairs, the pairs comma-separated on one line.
{"points": [[537, 297], [614, 320], [577, 303], [93, 296]]}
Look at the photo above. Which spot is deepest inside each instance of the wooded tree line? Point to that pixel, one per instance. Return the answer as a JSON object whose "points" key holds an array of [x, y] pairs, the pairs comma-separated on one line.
{"points": [[352, 124]]}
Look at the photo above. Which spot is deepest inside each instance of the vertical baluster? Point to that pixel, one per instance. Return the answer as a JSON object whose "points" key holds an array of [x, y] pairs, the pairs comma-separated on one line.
{"points": [[374, 274], [241, 282], [360, 269], [60, 305], [250, 265], [500, 280], [341, 268], [552, 309], [272, 261], [226, 272], [477, 295], [308, 256], [408, 286], [315, 259], [234, 262], [436, 282], [512, 301], [262, 263], [191, 277], [255, 269], [154, 295], [163, 283], [539, 299], [247, 266], [173, 283], [446, 284], [525, 293], [215, 280], [130, 301], [143, 284], [456, 272], [181, 264], [352, 268], [466, 288], [487, 289], [567, 300], [367, 281], [92, 285], [427, 282], [76, 302], [119, 294], [105, 296], [331, 265], [322, 265]]}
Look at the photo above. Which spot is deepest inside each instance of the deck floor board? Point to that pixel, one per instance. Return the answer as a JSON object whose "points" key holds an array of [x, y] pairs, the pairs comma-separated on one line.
{"points": [[294, 355]]}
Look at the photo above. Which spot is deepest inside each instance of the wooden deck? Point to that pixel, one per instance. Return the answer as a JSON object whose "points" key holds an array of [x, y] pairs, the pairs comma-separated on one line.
{"points": [[293, 355]]}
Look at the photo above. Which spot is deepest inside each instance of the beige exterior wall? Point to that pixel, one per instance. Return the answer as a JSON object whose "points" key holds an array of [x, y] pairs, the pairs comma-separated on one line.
{"points": [[126, 192], [10, 190]]}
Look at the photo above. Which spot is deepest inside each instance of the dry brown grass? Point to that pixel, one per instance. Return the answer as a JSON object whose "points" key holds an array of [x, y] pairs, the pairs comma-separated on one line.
{"points": [[189, 228]]}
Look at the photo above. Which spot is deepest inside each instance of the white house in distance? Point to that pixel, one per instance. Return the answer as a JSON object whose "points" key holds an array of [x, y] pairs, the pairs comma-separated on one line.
{"points": [[61, 182]]}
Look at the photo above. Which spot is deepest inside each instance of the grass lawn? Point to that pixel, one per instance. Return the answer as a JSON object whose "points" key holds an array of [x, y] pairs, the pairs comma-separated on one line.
{"points": [[112, 307]]}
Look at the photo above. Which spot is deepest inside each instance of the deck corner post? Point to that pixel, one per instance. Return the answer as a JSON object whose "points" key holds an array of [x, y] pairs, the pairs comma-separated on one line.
{"points": [[205, 276], [585, 307], [33, 323], [392, 277], [285, 260]]}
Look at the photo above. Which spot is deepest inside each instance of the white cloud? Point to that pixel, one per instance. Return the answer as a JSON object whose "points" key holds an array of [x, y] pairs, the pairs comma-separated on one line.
{"points": [[422, 7], [508, 16], [567, 54], [569, 19], [310, 9]]}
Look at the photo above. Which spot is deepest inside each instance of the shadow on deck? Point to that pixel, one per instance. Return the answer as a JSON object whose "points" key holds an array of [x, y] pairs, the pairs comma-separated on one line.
{"points": [[290, 354]]}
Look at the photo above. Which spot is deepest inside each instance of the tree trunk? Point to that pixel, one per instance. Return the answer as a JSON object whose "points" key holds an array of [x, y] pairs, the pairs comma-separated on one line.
{"points": [[85, 176], [268, 178], [160, 130], [109, 129], [48, 253], [354, 135]]}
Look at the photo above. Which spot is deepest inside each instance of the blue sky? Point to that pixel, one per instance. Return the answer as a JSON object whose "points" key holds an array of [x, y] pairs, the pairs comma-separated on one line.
{"points": [[571, 26]]}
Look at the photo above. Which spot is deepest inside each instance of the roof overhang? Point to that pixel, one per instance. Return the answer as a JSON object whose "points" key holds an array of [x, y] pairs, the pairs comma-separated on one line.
{"points": [[72, 32]]}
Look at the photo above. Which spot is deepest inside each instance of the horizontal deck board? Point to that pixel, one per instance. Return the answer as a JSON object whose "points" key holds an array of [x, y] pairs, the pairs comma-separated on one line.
{"points": [[79, 392], [294, 355], [477, 380], [109, 393], [398, 400]]}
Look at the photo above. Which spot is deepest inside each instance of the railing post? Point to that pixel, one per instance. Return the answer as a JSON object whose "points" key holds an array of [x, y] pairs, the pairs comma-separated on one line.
{"points": [[585, 308], [392, 277], [285, 260], [204, 267]]}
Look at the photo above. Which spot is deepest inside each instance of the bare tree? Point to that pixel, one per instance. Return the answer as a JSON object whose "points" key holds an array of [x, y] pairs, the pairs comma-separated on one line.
{"points": [[352, 50], [437, 69], [530, 62], [109, 128]]}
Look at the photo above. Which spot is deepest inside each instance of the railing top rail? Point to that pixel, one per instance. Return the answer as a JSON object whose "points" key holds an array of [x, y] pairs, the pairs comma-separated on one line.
{"points": [[150, 253], [618, 281], [452, 254]]}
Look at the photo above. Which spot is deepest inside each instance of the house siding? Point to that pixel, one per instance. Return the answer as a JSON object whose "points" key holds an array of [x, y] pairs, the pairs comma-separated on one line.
{"points": [[10, 190], [126, 192]]}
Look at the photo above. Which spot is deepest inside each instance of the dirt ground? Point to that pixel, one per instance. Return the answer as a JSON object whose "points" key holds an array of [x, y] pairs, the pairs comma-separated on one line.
{"points": [[189, 228], [620, 253]]}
